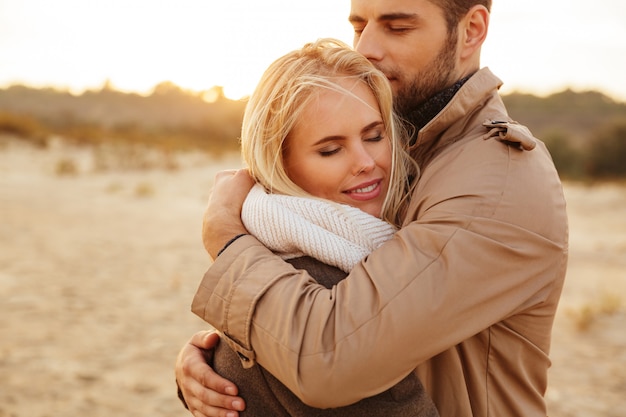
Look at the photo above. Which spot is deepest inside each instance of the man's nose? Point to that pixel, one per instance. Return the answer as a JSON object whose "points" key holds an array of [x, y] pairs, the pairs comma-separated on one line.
{"points": [[368, 45]]}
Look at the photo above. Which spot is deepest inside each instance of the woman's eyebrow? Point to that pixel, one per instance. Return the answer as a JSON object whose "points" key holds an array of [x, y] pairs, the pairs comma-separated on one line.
{"points": [[372, 126], [332, 138]]}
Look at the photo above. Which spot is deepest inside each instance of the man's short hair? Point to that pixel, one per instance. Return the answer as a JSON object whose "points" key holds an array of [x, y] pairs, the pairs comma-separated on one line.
{"points": [[454, 10]]}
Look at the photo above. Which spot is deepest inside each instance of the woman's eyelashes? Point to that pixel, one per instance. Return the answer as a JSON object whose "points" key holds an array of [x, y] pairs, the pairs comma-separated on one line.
{"points": [[377, 138], [329, 150], [334, 149]]}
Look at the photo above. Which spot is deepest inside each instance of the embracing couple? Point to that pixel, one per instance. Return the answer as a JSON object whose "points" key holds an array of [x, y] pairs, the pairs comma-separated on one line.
{"points": [[397, 244]]}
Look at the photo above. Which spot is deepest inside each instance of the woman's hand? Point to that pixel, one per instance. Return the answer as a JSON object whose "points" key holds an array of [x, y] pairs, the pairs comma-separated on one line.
{"points": [[206, 393], [222, 217]]}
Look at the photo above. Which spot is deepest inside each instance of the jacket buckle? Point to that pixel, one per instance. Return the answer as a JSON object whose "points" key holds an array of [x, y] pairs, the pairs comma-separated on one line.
{"points": [[511, 133]]}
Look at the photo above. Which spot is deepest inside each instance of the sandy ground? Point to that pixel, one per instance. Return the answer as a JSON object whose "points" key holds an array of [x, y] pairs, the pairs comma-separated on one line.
{"points": [[97, 270]]}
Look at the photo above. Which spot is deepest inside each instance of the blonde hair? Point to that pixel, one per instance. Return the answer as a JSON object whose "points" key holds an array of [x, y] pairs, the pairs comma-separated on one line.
{"points": [[277, 103]]}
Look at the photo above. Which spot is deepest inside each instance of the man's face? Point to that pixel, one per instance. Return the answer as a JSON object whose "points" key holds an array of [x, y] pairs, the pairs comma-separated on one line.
{"points": [[408, 40]]}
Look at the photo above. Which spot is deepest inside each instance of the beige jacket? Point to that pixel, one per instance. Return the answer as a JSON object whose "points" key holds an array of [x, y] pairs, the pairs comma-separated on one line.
{"points": [[464, 294], [265, 396]]}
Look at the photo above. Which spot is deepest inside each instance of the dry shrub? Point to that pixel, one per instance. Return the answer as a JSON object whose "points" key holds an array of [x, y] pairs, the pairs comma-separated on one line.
{"points": [[144, 189], [584, 317], [606, 305], [24, 127], [609, 304], [66, 167]]}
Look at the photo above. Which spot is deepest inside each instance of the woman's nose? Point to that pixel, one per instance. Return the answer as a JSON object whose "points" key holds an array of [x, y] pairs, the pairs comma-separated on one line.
{"points": [[363, 162]]}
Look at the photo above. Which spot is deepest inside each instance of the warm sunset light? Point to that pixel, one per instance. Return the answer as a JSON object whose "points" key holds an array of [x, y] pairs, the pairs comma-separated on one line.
{"points": [[118, 119], [533, 46]]}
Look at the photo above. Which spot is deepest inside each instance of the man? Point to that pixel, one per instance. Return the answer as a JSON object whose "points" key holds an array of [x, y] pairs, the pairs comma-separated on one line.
{"points": [[466, 292]]}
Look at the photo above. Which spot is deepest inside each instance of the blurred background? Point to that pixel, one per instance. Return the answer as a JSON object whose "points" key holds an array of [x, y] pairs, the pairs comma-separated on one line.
{"points": [[114, 118]]}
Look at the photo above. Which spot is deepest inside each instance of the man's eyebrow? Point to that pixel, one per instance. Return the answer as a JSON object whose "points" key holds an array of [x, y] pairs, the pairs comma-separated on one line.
{"points": [[386, 17], [355, 19], [398, 16]]}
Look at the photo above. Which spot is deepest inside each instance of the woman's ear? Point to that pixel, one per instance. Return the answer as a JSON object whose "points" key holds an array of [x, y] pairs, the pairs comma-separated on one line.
{"points": [[474, 27]]}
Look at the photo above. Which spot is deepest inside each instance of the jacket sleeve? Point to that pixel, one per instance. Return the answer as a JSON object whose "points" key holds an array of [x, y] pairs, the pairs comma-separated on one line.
{"points": [[481, 250]]}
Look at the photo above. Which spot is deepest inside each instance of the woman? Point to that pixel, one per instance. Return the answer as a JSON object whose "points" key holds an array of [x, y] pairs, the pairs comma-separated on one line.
{"points": [[320, 138]]}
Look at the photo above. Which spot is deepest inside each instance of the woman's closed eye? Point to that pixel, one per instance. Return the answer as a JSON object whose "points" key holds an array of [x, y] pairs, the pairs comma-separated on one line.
{"points": [[377, 138], [329, 151]]}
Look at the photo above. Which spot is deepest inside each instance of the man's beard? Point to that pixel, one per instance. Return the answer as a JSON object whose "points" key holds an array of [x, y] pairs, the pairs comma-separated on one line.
{"points": [[432, 79]]}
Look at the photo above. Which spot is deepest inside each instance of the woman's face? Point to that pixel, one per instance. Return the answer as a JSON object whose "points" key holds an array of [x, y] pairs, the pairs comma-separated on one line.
{"points": [[339, 149]]}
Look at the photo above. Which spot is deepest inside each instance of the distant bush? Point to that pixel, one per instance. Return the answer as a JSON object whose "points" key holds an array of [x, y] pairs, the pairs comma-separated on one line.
{"points": [[169, 119], [600, 156], [66, 167], [24, 127], [575, 113], [568, 160], [607, 153], [585, 132], [144, 190], [608, 304]]}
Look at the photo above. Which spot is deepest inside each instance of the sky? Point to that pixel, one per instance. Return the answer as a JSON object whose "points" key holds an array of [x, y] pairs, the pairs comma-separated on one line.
{"points": [[534, 46]]}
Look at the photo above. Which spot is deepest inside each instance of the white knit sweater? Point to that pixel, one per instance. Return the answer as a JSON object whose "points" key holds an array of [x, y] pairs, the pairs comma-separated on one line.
{"points": [[335, 234]]}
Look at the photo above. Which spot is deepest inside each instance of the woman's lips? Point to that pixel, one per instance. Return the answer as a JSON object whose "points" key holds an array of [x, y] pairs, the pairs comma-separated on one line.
{"points": [[365, 191]]}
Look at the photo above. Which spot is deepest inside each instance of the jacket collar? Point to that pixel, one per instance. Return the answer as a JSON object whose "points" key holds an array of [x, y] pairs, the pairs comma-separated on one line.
{"points": [[424, 113], [450, 122]]}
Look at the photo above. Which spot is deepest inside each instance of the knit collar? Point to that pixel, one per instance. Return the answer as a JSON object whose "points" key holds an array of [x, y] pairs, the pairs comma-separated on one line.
{"points": [[335, 234], [424, 113]]}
